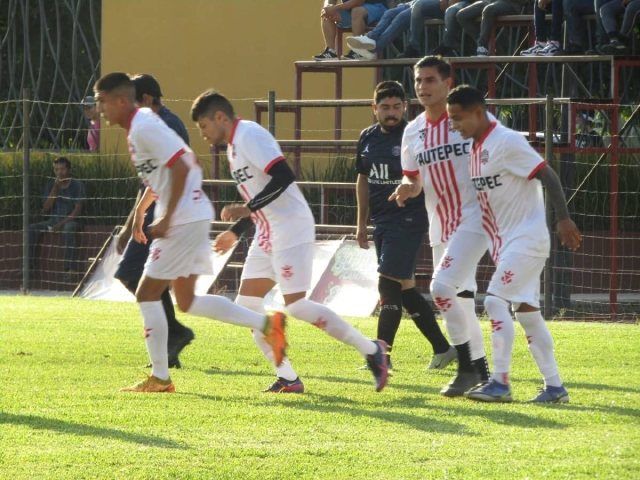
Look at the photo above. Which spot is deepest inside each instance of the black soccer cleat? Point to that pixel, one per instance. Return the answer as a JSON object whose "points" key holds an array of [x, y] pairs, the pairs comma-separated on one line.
{"points": [[176, 344], [462, 382]]}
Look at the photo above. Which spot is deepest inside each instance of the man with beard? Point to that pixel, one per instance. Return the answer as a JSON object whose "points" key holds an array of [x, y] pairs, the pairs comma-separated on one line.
{"points": [[399, 232]]}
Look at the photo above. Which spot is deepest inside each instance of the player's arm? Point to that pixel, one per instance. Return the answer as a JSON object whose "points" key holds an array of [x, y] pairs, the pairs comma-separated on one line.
{"points": [[569, 234], [362, 196], [125, 233], [281, 177], [410, 187]]}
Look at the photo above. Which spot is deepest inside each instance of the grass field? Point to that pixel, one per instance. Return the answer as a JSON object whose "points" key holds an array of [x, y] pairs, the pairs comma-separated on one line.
{"points": [[62, 362]]}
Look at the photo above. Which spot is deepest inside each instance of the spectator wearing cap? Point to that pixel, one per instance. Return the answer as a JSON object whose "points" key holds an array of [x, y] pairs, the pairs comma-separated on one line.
{"points": [[93, 135], [148, 94]]}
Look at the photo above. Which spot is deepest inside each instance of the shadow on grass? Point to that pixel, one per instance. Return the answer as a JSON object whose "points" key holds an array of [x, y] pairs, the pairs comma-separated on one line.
{"points": [[333, 404], [61, 426], [587, 386]]}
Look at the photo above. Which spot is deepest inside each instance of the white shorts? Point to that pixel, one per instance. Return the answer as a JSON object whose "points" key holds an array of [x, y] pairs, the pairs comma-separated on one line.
{"points": [[517, 278], [290, 268], [184, 251], [456, 261]]}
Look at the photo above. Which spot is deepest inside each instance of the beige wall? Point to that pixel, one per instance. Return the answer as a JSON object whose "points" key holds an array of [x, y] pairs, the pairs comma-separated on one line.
{"points": [[242, 48]]}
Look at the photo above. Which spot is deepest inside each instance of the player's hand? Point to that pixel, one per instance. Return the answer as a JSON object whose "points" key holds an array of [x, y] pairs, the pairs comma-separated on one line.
{"points": [[361, 237], [138, 232], [403, 191], [123, 239], [158, 229], [570, 236], [56, 228], [225, 242], [234, 212]]}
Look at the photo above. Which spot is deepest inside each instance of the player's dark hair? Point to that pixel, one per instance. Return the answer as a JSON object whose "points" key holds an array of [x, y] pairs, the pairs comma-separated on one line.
{"points": [[209, 103], [467, 97], [436, 61], [63, 161], [116, 82], [388, 89]]}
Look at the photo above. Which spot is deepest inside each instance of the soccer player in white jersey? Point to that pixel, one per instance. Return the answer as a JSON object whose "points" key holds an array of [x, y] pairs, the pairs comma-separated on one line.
{"points": [[180, 248], [282, 249], [508, 175], [436, 159]]}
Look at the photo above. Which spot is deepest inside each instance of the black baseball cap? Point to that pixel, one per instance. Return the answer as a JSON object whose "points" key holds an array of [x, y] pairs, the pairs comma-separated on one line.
{"points": [[145, 83]]}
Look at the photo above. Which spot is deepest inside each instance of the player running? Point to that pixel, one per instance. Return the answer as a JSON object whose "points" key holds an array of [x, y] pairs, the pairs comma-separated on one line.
{"points": [[399, 232], [508, 175], [180, 248], [284, 242], [436, 159]]}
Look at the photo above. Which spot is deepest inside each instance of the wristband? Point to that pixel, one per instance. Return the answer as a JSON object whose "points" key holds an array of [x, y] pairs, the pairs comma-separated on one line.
{"points": [[241, 226]]}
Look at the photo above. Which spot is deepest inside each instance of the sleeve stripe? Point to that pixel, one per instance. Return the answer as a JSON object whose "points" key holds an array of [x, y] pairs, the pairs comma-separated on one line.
{"points": [[411, 173], [176, 156], [535, 171], [272, 163]]}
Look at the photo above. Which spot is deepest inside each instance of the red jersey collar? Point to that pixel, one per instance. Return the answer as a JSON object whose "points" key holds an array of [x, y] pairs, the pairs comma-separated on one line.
{"points": [[233, 130], [133, 114], [493, 125], [442, 117]]}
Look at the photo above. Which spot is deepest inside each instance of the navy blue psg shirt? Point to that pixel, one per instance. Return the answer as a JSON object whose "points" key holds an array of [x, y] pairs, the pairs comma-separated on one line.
{"points": [[379, 159]]}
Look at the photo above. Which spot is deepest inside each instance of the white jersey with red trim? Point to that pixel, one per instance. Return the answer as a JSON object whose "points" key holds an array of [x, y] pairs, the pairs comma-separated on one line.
{"points": [[503, 168], [441, 156], [154, 147], [285, 222]]}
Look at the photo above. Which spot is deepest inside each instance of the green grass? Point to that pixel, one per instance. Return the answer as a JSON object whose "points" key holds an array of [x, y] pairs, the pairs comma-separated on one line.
{"points": [[62, 362]]}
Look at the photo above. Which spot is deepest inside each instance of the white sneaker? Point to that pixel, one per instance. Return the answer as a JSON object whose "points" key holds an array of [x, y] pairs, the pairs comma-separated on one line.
{"points": [[363, 42], [552, 48], [530, 52], [366, 54], [482, 52]]}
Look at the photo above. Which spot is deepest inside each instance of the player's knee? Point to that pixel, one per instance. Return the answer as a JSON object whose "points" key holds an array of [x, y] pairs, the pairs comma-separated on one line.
{"points": [[389, 288], [442, 290], [255, 304], [493, 304]]}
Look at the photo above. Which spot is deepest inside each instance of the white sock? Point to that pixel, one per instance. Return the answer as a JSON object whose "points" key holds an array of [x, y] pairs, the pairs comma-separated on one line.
{"points": [[540, 345], [476, 339], [447, 301], [334, 325], [220, 308], [256, 304], [156, 333], [502, 337]]}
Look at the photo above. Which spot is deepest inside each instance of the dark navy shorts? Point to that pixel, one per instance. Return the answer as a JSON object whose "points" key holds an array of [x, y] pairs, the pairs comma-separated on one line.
{"points": [[397, 251], [135, 255]]}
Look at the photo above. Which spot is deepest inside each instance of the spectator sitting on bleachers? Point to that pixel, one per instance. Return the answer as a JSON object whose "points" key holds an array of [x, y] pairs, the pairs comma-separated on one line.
{"points": [[356, 14], [64, 199], [421, 10], [601, 35], [452, 29], [573, 12], [489, 10], [586, 135], [609, 14], [393, 23], [541, 45]]}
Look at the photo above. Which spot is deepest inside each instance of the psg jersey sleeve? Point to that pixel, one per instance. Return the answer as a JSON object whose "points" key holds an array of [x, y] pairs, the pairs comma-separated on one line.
{"points": [[520, 158], [157, 141], [261, 148]]}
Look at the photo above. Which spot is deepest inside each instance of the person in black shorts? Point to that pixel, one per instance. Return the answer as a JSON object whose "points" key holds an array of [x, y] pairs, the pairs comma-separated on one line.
{"points": [[398, 232], [135, 254]]}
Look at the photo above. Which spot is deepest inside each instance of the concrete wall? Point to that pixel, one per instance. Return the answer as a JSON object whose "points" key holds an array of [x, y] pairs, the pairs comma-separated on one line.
{"points": [[241, 48]]}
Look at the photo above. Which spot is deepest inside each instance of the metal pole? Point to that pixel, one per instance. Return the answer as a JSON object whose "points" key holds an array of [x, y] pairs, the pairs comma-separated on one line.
{"points": [[26, 160], [548, 267], [272, 112]]}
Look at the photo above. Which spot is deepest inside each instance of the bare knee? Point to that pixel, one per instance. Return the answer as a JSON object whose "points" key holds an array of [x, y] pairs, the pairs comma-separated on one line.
{"points": [[358, 13]]}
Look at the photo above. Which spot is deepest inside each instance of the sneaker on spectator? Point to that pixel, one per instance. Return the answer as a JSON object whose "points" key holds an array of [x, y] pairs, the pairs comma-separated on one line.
{"points": [[362, 42], [482, 52], [571, 50], [327, 54], [552, 48], [365, 54], [352, 55], [597, 50], [444, 51], [530, 52], [615, 47], [410, 52]]}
